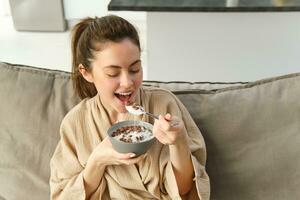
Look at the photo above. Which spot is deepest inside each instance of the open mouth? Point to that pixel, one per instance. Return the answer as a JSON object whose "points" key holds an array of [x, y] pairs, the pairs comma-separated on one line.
{"points": [[124, 97]]}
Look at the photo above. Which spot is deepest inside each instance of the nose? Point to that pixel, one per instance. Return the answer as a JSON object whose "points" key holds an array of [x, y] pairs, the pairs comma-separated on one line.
{"points": [[126, 81]]}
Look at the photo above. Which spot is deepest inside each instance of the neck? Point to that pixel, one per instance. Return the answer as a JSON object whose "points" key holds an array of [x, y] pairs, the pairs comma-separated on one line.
{"points": [[115, 116], [122, 117]]}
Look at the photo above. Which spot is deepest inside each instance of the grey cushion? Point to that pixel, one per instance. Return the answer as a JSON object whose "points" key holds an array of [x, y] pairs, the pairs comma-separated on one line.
{"points": [[179, 86], [33, 103], [252, 132]]}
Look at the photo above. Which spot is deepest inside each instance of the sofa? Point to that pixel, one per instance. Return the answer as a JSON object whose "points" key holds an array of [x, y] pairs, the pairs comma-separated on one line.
{"points": [[251, 130]]}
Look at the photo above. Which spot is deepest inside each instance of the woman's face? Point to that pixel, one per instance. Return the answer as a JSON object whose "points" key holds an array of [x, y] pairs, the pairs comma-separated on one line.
{"points": [[117, 74]]}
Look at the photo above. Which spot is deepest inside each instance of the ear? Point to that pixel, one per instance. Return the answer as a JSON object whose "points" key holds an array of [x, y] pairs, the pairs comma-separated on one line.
{"points": [[86, 74]]}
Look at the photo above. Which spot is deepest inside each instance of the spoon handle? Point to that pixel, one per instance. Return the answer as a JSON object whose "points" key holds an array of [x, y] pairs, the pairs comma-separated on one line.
{"points": [[173, 122], [151, 115]]}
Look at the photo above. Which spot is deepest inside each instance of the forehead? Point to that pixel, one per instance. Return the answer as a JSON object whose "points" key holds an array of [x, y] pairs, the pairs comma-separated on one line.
{"points": [[120, 53]]}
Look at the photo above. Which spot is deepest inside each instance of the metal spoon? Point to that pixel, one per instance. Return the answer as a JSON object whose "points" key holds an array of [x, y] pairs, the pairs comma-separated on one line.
{"points": [[137, 109]]}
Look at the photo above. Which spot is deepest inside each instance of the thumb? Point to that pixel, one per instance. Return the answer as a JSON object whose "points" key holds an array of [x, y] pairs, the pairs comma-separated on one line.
{"points": [[168, 117], [125, 156]]}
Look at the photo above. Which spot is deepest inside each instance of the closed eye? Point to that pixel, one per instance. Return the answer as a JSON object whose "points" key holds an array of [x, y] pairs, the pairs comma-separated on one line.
{"points": [[135, 71], [112, 75]]}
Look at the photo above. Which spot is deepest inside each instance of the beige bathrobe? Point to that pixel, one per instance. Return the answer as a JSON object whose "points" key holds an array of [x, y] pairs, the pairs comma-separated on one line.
{"points": [[85, 126]]}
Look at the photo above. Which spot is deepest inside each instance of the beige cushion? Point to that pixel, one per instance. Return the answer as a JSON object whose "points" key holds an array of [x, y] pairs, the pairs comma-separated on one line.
{"points": [[175, 86], [33, 103], [251, 131]]}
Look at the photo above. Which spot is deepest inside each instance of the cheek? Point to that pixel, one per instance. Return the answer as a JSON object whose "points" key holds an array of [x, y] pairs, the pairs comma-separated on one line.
{"points": [[138, 82], [139, 79], [111, 86], [106, 86]]}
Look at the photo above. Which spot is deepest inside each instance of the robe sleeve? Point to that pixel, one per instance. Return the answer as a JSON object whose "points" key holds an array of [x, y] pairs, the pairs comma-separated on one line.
{"points": [[66, 179], [201, 186]]}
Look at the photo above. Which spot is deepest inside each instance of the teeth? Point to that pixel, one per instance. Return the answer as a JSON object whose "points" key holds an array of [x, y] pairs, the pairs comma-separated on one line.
{"points": [[124, 93]]}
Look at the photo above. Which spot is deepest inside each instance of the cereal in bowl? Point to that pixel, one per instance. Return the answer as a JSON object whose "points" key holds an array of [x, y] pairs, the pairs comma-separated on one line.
{"points": [[132, 134]]}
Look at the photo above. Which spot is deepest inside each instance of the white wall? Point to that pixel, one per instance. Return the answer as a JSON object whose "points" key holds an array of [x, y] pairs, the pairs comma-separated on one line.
{"points": [[205, 47], [76, 9], [222, 46], [40, 49], [52, 49], [4, 8]]}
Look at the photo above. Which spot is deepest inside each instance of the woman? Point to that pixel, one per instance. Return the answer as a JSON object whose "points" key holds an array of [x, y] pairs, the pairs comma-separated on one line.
{"points": [[107, 75]]}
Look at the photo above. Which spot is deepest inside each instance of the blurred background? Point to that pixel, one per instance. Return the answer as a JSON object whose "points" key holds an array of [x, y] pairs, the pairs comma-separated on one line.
{"points": [[223, 46], [49, 48]]}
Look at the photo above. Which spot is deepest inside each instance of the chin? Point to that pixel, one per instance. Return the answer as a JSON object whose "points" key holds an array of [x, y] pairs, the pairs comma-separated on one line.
{"points": [[123, 111]]}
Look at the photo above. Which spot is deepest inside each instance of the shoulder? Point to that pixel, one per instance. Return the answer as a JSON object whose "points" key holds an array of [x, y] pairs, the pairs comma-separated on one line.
{"points": [[159, 98], [158, 92], [78, 112], [74, 123]]}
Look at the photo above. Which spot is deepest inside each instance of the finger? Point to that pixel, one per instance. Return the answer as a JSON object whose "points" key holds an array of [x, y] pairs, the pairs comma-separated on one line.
{"points": [[166, 137], [157, 128], [175, 122], [170, 122], [161, 137], [125, 156], [106, 141], [158, 133], [168, 117], [163, 123], [133, 160], [162, 133]]}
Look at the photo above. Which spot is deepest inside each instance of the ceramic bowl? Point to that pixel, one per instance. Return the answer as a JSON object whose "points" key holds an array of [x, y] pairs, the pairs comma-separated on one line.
{"points": [[135, 145]]}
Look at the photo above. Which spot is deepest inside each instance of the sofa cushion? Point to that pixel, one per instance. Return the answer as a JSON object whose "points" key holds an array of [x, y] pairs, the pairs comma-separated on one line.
{"points": [[175, 86], [33, 103], [252, 134]]}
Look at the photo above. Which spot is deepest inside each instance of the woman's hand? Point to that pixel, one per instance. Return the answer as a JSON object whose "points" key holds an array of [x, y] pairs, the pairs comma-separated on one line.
{"points": [[168, 129], [102, 156], [105, 155]]}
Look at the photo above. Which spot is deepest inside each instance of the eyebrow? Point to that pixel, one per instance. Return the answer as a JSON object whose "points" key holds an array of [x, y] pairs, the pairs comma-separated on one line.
{"points": [[116, 66]]}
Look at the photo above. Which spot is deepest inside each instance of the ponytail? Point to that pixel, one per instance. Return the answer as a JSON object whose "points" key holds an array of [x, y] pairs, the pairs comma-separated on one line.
{"points": [[82, 87]]}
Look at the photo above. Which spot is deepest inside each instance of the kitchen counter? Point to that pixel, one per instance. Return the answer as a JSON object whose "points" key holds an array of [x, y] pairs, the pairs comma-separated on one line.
{"points": [[205, 5]]}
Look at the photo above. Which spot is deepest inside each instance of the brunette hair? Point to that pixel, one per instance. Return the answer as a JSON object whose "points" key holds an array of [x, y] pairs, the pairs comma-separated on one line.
{"points": [[88, 36]]}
